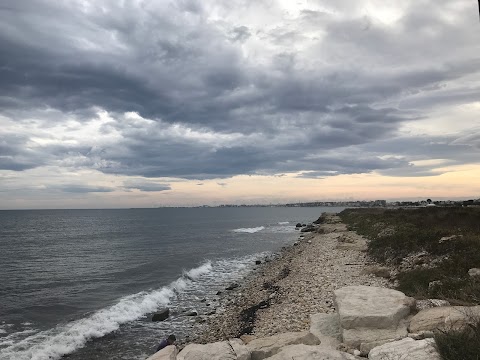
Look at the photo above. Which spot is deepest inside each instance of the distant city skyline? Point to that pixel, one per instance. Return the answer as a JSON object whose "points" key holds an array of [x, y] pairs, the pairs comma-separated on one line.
{"points": [[107, 104]]}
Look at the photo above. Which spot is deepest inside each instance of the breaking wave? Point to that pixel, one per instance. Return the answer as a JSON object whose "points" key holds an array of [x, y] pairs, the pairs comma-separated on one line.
{"points": [[249, 230], [65, 339]]}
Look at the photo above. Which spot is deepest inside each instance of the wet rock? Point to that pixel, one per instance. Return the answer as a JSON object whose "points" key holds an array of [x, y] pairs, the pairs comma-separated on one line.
{"points": [[232, 286], [190, 313], [161, 315]]}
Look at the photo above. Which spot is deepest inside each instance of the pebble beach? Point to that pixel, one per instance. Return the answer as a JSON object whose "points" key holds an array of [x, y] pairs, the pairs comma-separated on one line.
{"points": [[284, 290]]}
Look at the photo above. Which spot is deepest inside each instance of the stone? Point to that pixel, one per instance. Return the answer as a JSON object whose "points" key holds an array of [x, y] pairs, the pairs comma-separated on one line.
{"points": [[308, 228], [247, 338], [430, 303], [443, 318], [369, 314], [359, 244], [265, 347], [406, 349], [222, 350], [258, 262], [167, 353], [474, 273], [298, 225], [161, 315], [232, 286], [308, 352], [326, 327], [190, 313], [380, 271]]}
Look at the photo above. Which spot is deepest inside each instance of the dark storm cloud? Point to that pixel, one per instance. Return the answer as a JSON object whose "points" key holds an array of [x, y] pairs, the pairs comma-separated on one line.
{"points": [[80, 189], [322, 105]]}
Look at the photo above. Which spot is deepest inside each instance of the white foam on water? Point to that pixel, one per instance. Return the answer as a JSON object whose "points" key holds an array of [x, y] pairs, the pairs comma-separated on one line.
{"points": [[249, 230], [195, 273], [65, 339], [283, 222]]}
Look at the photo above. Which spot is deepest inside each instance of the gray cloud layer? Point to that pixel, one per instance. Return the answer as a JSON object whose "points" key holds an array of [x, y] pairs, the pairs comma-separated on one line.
{"points": [[323, 104]]}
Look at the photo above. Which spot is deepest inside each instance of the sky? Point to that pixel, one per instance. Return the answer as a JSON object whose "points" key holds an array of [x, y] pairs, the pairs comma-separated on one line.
{"points": [[115, 103]]}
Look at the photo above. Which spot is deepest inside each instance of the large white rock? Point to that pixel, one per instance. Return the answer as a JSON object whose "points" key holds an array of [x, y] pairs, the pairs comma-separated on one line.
{"points": [[222, 350], [308, 352], [445, 317], [265, 347], [167, 353], [369, 314], [406, 349], [326, 327]]}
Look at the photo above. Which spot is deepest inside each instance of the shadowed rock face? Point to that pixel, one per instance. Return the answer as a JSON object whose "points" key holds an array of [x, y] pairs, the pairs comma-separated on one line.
{"points": [[269, 346], [370, 314]]}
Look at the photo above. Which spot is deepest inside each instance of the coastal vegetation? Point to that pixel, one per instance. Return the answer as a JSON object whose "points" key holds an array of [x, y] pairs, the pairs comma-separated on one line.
{"points": [[430, 251]]}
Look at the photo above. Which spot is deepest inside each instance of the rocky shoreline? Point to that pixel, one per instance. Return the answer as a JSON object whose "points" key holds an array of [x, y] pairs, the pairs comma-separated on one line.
{"points": [[320, 299], [284, 291]]}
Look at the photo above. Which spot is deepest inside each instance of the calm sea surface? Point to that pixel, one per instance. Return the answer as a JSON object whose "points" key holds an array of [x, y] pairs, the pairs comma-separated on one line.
{"points": [[86, 282]]}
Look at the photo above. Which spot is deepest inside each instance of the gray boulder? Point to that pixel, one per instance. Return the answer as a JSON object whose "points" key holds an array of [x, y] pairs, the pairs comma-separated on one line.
{"points": [[406, 349], [265, 347]]}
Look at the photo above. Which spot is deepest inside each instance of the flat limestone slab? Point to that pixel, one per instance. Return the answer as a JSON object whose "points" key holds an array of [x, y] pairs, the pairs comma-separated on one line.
{"points": [[371, 307], [308, 352], [266, 347], [406, 349]]}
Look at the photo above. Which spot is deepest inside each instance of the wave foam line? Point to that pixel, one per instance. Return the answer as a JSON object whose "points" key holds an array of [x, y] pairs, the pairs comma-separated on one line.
{"points": [[65, 339], [249, 230]]}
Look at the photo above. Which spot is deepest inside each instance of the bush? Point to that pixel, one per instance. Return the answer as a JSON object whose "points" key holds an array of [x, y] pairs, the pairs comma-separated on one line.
{"points": [[420, 230], [460, 344]]}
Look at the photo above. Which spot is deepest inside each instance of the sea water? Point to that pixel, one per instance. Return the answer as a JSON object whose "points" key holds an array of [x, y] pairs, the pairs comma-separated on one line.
{"points": [[85, 283]]}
